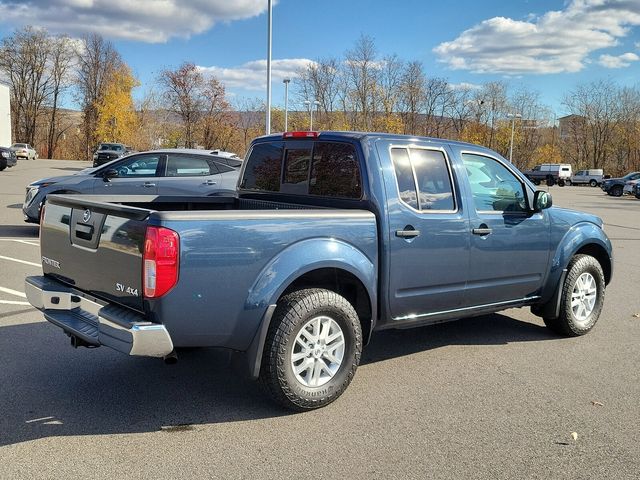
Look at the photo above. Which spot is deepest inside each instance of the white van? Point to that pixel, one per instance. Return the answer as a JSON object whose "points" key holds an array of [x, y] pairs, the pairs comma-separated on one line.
{"points": [[592, 177], [560, 171]]}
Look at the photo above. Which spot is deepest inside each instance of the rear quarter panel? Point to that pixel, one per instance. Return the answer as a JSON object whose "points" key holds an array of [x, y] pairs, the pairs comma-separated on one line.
{"points": [[234, 264]]}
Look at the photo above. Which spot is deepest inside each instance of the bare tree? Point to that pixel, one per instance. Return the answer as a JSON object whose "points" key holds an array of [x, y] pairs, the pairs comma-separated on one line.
{"points": [[411, 98], [362, 76], [182, 90], [61, 62], [97, 60], [215, 115]]}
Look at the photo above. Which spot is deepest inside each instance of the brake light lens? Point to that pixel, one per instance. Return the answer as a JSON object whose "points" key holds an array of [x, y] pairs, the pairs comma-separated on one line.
{"points": [[300, 134], [160, 260]]}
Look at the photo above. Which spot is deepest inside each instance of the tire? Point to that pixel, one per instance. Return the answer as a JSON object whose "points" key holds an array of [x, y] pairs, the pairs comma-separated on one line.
{"points": [[593, 183], [579, 309], [616, 191], [567, 182], [299, 317], [3, 164], [536, 182]]}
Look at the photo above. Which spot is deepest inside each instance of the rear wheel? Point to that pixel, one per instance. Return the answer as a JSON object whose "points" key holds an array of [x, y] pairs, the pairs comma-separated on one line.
{"points": [[567, 182], [582, 297], [312, 349], [593, 183]]}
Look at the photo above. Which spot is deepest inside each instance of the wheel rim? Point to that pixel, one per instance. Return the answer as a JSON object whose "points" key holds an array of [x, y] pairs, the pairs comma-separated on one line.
{"points": [[317, 351], [583, 297]]}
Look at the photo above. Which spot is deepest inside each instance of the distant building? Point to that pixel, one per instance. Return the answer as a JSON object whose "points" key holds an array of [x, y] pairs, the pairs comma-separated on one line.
{"points": [[5, 115], [569, 124]]}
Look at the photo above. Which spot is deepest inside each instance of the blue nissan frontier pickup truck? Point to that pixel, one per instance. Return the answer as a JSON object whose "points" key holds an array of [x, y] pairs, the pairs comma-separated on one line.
{"points": [[330, 237]]}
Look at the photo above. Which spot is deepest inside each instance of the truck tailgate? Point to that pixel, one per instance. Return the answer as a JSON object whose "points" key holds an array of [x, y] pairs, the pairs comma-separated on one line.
{"points": [[95, 247]]}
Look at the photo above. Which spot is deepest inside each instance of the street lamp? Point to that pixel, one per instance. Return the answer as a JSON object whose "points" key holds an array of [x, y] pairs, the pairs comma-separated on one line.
{"points": [[269, 30], [310, 106], [286, 102], [513, 117]]}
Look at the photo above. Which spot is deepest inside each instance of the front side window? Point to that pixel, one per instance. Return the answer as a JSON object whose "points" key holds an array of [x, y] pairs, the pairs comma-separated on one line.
{"points": [[138, 166], [495, 188], [187, 166]]}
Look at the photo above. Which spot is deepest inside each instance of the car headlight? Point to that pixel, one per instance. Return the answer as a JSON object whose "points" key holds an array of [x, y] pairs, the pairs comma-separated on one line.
{"points": [[5, 154]]}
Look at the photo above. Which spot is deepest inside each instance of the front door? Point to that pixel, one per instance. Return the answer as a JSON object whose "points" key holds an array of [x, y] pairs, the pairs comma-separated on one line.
{"points": [[509, 245], [137, 175], [428, 242]]}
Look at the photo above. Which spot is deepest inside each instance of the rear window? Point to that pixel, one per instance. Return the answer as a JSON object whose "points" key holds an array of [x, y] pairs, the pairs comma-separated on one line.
{"points": [[328, 169]]}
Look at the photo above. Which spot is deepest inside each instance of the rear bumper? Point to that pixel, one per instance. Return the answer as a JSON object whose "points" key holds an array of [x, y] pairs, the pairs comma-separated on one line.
{"points": [[96, 322]]}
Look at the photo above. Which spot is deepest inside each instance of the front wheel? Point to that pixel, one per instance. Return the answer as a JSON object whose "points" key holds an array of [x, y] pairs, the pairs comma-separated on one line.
{"points": [[582, 298], [593, 183], [617, 190], [312, 349], [567, 182]]}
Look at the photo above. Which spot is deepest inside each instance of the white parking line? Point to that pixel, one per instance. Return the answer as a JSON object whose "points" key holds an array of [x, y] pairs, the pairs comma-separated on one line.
{"points": [[13, 292], [19, 241], [13, 302], [2, 257]]}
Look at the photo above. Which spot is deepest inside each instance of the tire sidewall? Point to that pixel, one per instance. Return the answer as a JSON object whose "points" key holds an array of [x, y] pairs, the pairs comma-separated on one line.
{"points": [[342, 377], [582, 265]]}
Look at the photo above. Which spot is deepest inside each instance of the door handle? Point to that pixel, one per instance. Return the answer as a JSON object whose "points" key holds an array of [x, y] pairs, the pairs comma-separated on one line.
{"points": [[148, 184], [482, 230], [407, 233], [209, 182]]}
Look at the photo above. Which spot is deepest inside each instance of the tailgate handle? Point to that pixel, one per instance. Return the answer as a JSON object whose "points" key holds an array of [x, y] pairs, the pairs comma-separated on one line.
{"points": [[85, 232]]}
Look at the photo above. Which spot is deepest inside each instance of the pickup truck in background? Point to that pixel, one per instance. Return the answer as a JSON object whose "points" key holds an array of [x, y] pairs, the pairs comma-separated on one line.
{"points": [[592, 177], [330, 237], [551, 173]]}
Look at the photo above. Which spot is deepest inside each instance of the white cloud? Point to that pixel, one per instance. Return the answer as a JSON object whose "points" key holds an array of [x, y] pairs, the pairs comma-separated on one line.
{"points": [[143, 20], [464, 86], [253, 75], [621, 61], [557, 41]]}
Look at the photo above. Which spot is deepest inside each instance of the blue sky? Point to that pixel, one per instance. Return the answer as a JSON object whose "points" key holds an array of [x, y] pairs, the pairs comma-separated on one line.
{"points": [[549, 46]]}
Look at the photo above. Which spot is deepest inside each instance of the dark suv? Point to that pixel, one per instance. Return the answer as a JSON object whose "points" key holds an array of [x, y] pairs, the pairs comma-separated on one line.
{"points": [[107, 152], [7, 158]]}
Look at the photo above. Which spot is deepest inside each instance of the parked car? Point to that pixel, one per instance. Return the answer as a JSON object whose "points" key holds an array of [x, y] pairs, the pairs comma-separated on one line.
{"points": [[615, 186], [558, 172], [331, 236], [160, 172], [24, 150], [107, 152], [7, 158], [591, 177], [636, 190], [629, 186]]}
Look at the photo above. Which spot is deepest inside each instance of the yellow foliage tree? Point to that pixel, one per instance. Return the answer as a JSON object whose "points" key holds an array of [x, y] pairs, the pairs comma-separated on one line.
{"points": [[117, 118], [547, 154]]}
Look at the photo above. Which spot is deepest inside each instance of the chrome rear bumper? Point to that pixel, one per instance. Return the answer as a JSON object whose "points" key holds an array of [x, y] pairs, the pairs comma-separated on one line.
{"points": [[96, 322]]}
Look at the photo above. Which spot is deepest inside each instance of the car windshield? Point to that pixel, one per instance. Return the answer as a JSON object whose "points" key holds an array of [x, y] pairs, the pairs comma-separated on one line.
{"points": [[630, 176], [110, 146]]}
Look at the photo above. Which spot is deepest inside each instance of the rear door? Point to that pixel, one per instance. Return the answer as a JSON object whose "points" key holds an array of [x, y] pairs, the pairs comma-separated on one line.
{"points": [[137, 175], [509, 245], [428, 257]]}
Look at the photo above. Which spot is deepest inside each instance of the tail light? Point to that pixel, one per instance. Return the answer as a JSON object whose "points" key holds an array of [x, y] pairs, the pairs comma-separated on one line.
{"points": [[160, 260], [300, 134]]}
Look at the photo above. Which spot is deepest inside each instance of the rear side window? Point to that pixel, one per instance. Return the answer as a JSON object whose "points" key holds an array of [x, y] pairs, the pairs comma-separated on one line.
{"points": [[424, 180], [187, 166], [263, 167]]}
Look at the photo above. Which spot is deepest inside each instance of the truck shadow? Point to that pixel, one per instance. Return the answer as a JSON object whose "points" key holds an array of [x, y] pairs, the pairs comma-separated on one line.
{"points": [[19, 231], [49, 389]]}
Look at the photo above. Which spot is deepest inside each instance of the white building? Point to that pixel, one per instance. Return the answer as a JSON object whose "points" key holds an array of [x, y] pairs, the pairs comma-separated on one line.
{"points": [[5, 115]]}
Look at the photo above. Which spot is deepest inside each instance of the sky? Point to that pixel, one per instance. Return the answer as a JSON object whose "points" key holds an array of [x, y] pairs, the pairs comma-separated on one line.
{"points": [[548, 46]]}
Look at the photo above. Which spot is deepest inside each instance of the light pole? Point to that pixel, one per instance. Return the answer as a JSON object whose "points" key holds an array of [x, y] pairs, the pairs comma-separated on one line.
{"points": [[310, 106], [269, 27], [286, 102], [513, 117]]}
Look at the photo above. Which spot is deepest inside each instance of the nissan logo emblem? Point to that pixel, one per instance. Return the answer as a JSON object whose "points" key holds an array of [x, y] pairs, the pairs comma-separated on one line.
{"points": [[86, 215]]}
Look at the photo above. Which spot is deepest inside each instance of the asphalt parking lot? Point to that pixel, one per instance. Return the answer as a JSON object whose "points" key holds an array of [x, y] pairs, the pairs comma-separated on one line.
{"points": [[491, 397]]}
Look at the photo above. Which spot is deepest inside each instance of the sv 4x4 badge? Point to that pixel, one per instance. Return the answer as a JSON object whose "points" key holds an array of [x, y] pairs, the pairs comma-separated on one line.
{"points": [[124, 289]]}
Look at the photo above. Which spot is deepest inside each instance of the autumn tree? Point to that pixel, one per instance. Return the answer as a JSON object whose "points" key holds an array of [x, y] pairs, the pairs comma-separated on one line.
{"points": [[98, 61], [116, 115]]}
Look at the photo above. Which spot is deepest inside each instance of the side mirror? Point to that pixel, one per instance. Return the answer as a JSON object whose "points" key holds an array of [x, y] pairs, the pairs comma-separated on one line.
{"points": [[109, 174], [541, 200]]}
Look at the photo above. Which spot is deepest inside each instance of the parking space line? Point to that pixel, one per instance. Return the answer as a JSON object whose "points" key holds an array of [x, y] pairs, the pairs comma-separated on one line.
{"points": [[13, 292], [13, 302], [2, 257], [19, 241]]}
